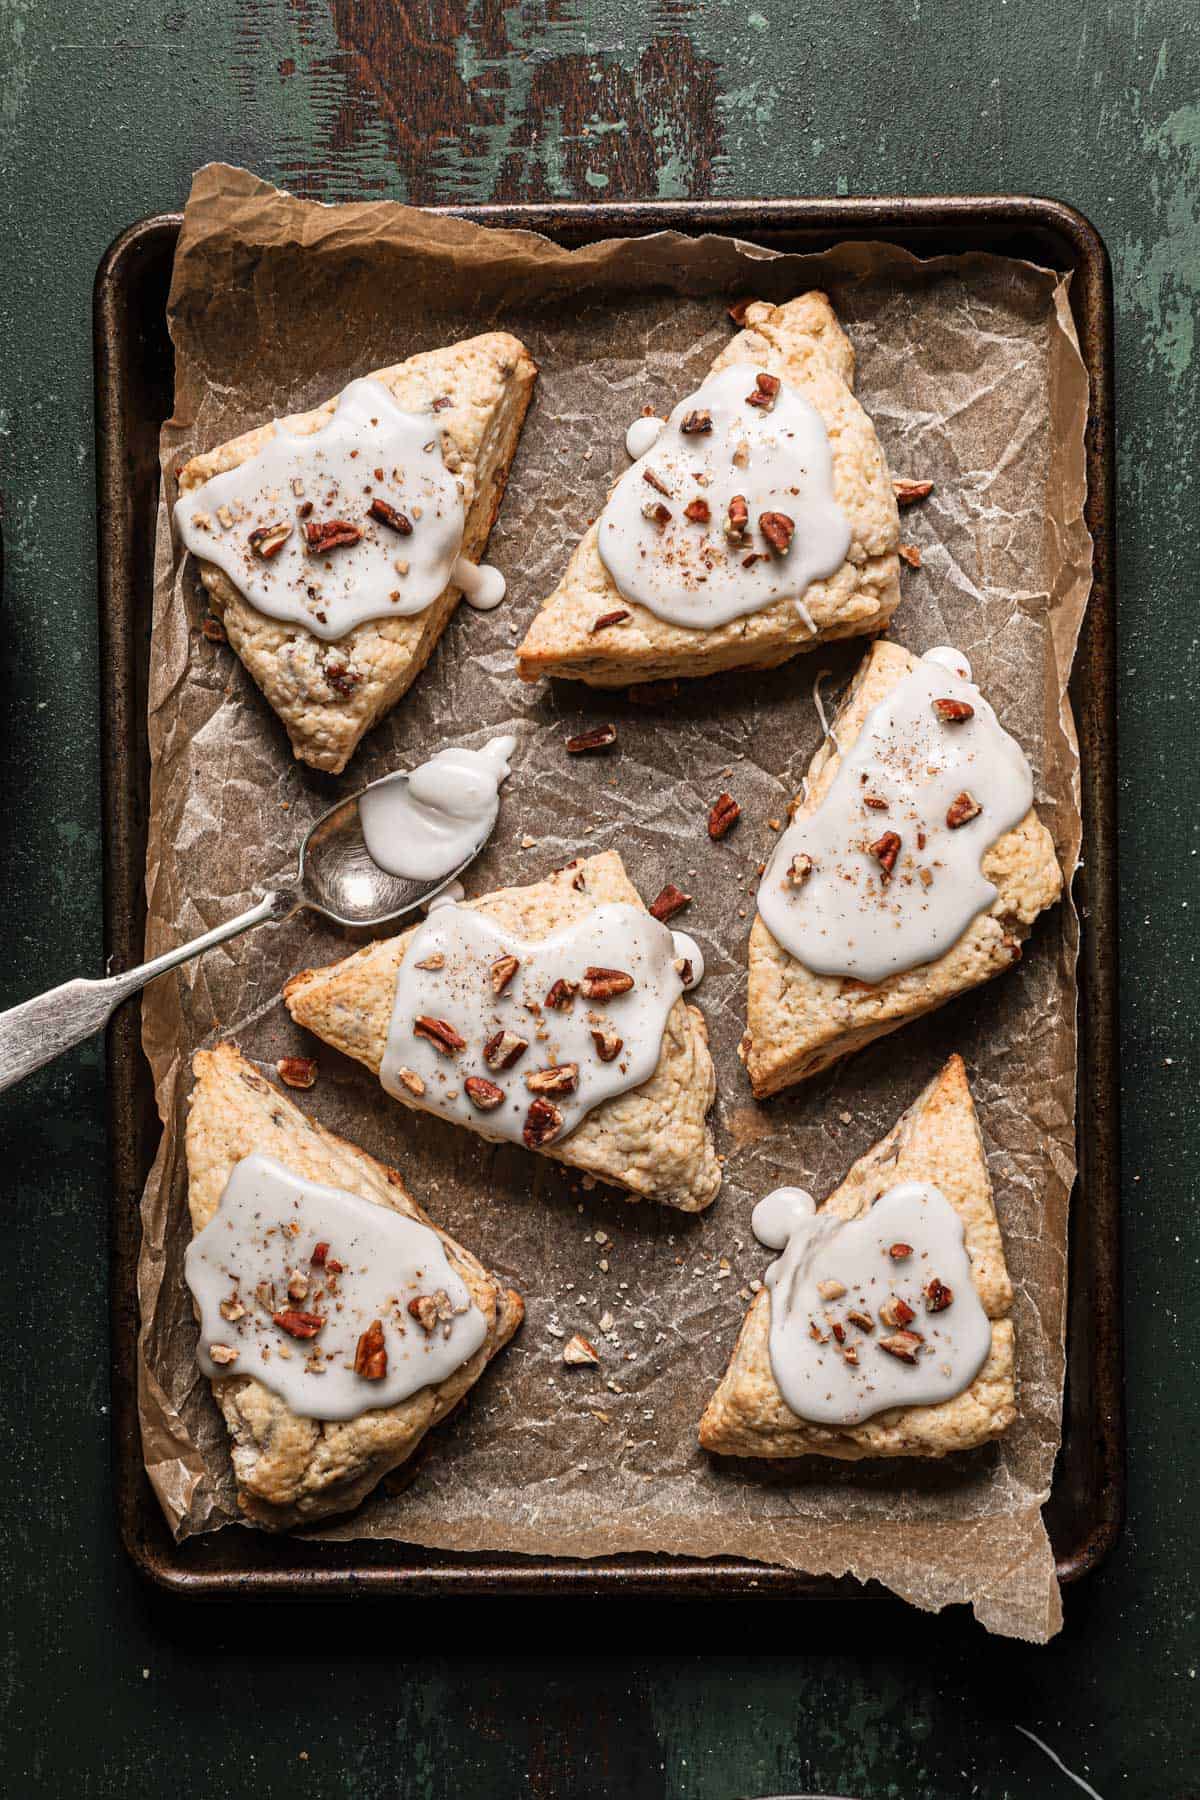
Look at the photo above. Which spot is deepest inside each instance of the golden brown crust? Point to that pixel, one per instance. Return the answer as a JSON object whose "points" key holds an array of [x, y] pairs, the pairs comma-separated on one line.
{"points": [[936, 1140], [802, 343], [290, 1470], [652, 1141], [797, 1023], [488, 381]]}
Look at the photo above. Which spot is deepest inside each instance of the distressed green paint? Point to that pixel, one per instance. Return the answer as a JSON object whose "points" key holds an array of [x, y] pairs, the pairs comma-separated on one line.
{"points": [[105, 108]]}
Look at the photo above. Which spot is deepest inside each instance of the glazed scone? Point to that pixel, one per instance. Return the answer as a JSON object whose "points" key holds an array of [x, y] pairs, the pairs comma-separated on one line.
{"points": [[799, 1022], [802, 343], [328, 694], [292, 1470], [652, 1140], [937, 1141]]}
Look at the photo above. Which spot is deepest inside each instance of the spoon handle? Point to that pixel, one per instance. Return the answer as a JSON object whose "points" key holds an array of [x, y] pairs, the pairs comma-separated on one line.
{"points": [[38, 1030]]}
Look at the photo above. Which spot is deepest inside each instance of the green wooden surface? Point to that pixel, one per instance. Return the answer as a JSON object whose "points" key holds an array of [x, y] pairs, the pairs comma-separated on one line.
{"points": [[105, 108]]}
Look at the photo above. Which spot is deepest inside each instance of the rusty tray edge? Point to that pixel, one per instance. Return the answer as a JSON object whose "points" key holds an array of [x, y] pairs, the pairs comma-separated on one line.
{"points": [[123, 359]]}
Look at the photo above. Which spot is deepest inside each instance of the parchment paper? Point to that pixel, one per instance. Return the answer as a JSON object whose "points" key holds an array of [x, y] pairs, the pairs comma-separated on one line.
{"points": [[970, 368]]}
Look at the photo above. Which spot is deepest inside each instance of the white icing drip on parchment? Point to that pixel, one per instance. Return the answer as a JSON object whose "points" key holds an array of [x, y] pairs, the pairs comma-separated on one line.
{"points": [[427, 823], [369, 453], [688, 572], [267, 1224], [463, 945], [643, 434], [848, 916], [817, 1378]]}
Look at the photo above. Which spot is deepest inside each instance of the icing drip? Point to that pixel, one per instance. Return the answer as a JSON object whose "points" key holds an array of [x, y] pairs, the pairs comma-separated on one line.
{"points": [[428, 823], [643, 434], [263, 1235], [834, 1369], [828, 895], [482, 586], [374, 470], [663, 538], [509, 1025]]}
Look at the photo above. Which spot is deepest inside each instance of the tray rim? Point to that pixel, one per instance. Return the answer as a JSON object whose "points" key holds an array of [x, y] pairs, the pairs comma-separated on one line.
{"points": [[1097, 1130]]}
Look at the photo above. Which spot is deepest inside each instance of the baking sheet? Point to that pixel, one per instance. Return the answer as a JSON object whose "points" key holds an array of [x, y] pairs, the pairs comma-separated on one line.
{"points": [[970, 369]]}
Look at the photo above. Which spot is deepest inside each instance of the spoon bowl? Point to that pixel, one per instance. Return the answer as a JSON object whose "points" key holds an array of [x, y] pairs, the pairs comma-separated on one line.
{"points": [[336, 875]]}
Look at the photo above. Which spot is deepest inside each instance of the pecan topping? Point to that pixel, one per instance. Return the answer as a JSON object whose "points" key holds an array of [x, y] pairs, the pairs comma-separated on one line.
{"points": [[561, 997], [898, 1252], [954, 712], [963, 808], [777, 528], [504, 1049], [342, 680], [577, 1351], [895, 1312], [503, 970], [885, 850], [435, 961], [429, 1309], [411, 1080], [850, 1352], [725, 813], [909, 492], [815, 1332], [223, 1353], [320, 1252], [299, 1324], [389, 516], [695, 421], [657, 513], [697, 511], [370, 1353], [904, 1344], [737, 519], [669, 902], [297, 1285], [875, 801], [297, 1071], [543, 1122], [800, 868], [838, 1330], [910, 554], [268, 540], [608, 1045], [617, 616], [937, 1295], [605, 984], [863, 1320], [232, 1309], [441, 1035], [765, 389], [830, 1290], [656, 482], [683, 968], [563, 1078], [598, 738], [213, 630], [330, 534], [483, 1094]]}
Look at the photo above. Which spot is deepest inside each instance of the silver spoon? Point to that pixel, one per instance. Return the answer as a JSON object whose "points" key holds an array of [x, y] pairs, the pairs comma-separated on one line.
{"points": [[334, 876]]}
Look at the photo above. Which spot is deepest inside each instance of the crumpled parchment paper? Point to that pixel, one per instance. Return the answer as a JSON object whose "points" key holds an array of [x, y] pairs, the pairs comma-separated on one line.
{"points": [[970, 368]]}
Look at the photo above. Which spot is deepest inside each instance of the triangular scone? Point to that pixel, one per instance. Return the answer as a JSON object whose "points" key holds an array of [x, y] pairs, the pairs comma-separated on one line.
{"points": [[329, 694], [798, 1022], [937, 1140], [653, 1141], [292, 1470], [802, 343]]}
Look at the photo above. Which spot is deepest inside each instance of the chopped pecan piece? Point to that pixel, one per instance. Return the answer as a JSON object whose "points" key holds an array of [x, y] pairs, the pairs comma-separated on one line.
{"points": [[724, 814], [850, 1352], [232, 1309], [778, 529], [577, 1351], [937, 1295], [445, 1040], [598, 738], [700, 420], [321, 535], [830, 1290], [320, 1252], [299, 1324], [863, 1320], [391, 517], [563, 1078], [268, 540], [605, 984], [898, 1252], [896, 1312], [504, 1049], [885, 850], [838, 1330], [297, 1285], [909, 492], [800, 868], [669, 902], [904, 1344], [341, 679], [954, 712], [814, 1331], [683, 968], [910, 554], [543, 1122], [483, 1094], [617, 616], [503, 970], [657, 514], [656, 482], [434, 961], [698, 511], [370, 1353], [963, 808], [737, 519], [876, 802], [430, 1309], [297, 1071], [608, 1045], [411, 1080], [562, 994], [213, 630], [765, 389], [223, 1354]]}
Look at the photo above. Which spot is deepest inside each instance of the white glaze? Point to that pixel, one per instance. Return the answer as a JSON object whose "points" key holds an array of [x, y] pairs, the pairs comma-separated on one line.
{"points": [[451, 894], [483, 586], [388, 1259], [846, 919], [949, 658], [425, 824], [460, 992], [689, 574], [333, 471], [643, 434], [815, 1378]]}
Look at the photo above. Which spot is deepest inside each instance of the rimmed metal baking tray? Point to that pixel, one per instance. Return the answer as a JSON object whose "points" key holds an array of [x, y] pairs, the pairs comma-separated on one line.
{"points": [[134, 388]]}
